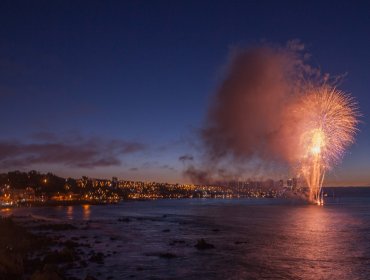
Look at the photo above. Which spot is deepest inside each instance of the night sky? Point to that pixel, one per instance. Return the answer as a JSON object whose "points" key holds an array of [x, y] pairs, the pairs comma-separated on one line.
{"points": [[120, 88]]}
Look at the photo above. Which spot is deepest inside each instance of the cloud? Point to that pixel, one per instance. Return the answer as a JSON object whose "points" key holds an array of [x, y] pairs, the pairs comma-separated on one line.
{"points": [[79, 152], [168, 167], [186, 157]]}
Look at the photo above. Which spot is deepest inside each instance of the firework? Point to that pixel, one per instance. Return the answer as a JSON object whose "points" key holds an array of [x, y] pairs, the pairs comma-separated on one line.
{"points": [[328, 120]]}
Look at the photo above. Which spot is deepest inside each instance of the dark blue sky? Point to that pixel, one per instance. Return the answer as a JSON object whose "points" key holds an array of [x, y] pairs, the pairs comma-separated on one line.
{"points": [[119, 88]]}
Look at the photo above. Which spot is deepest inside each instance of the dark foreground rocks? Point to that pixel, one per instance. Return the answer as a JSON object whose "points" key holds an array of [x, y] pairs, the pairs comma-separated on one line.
{"points": [[49, 272], [167, 255], [25, 254], [56, 227], [65, 255], [16, 246], [203, 245]]}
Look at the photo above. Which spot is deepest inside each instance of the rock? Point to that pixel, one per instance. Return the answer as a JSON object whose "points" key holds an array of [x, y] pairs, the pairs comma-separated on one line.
{"points": [[97, 258], [71, 244], [10, 265], [203, 245], [49, 272], [240, 242], [56, 227], [167, 255], [50, 268], [89, 277], [46, 276], [177, 241], [124, 219], [64, 256]]}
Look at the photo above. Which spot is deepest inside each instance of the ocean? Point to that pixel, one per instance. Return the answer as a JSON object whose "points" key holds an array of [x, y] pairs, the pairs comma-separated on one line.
{"points": [[252, 238]]}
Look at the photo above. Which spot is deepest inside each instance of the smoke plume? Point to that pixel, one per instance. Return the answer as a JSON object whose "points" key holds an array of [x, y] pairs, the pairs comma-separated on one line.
{"points": [[250, 125]]}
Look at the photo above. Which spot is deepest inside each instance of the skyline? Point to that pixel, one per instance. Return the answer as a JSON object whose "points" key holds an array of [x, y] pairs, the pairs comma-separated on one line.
{"points": [[121, 90]]}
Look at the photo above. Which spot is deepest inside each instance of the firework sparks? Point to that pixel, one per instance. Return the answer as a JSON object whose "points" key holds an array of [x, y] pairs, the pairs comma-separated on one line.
{"points": [[328, 126]]}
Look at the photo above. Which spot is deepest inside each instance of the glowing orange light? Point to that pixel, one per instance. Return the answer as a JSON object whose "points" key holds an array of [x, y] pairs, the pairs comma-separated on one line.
{"points": [[328, 126]]}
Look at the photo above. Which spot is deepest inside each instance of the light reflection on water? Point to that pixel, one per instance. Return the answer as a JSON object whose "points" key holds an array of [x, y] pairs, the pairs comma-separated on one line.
{"points": [[317, 244], [86, 211], [253, 239], [70, 212]]}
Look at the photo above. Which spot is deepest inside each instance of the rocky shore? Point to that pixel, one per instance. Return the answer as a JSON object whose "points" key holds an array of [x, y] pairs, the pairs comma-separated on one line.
{"points": [[30, 249], [34, 248], [20, 251]]}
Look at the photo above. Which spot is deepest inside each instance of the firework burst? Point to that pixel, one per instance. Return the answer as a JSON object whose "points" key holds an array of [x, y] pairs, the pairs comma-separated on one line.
{"points": [[328, 125]]}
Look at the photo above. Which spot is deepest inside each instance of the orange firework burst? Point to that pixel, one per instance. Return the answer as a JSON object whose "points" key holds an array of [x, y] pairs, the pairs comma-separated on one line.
{"points": [[328, 124]]}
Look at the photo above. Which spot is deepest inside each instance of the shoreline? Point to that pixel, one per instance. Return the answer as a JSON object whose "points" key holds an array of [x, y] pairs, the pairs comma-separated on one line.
{"points": [[89, 202], [19, 250], [38, 249]]}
